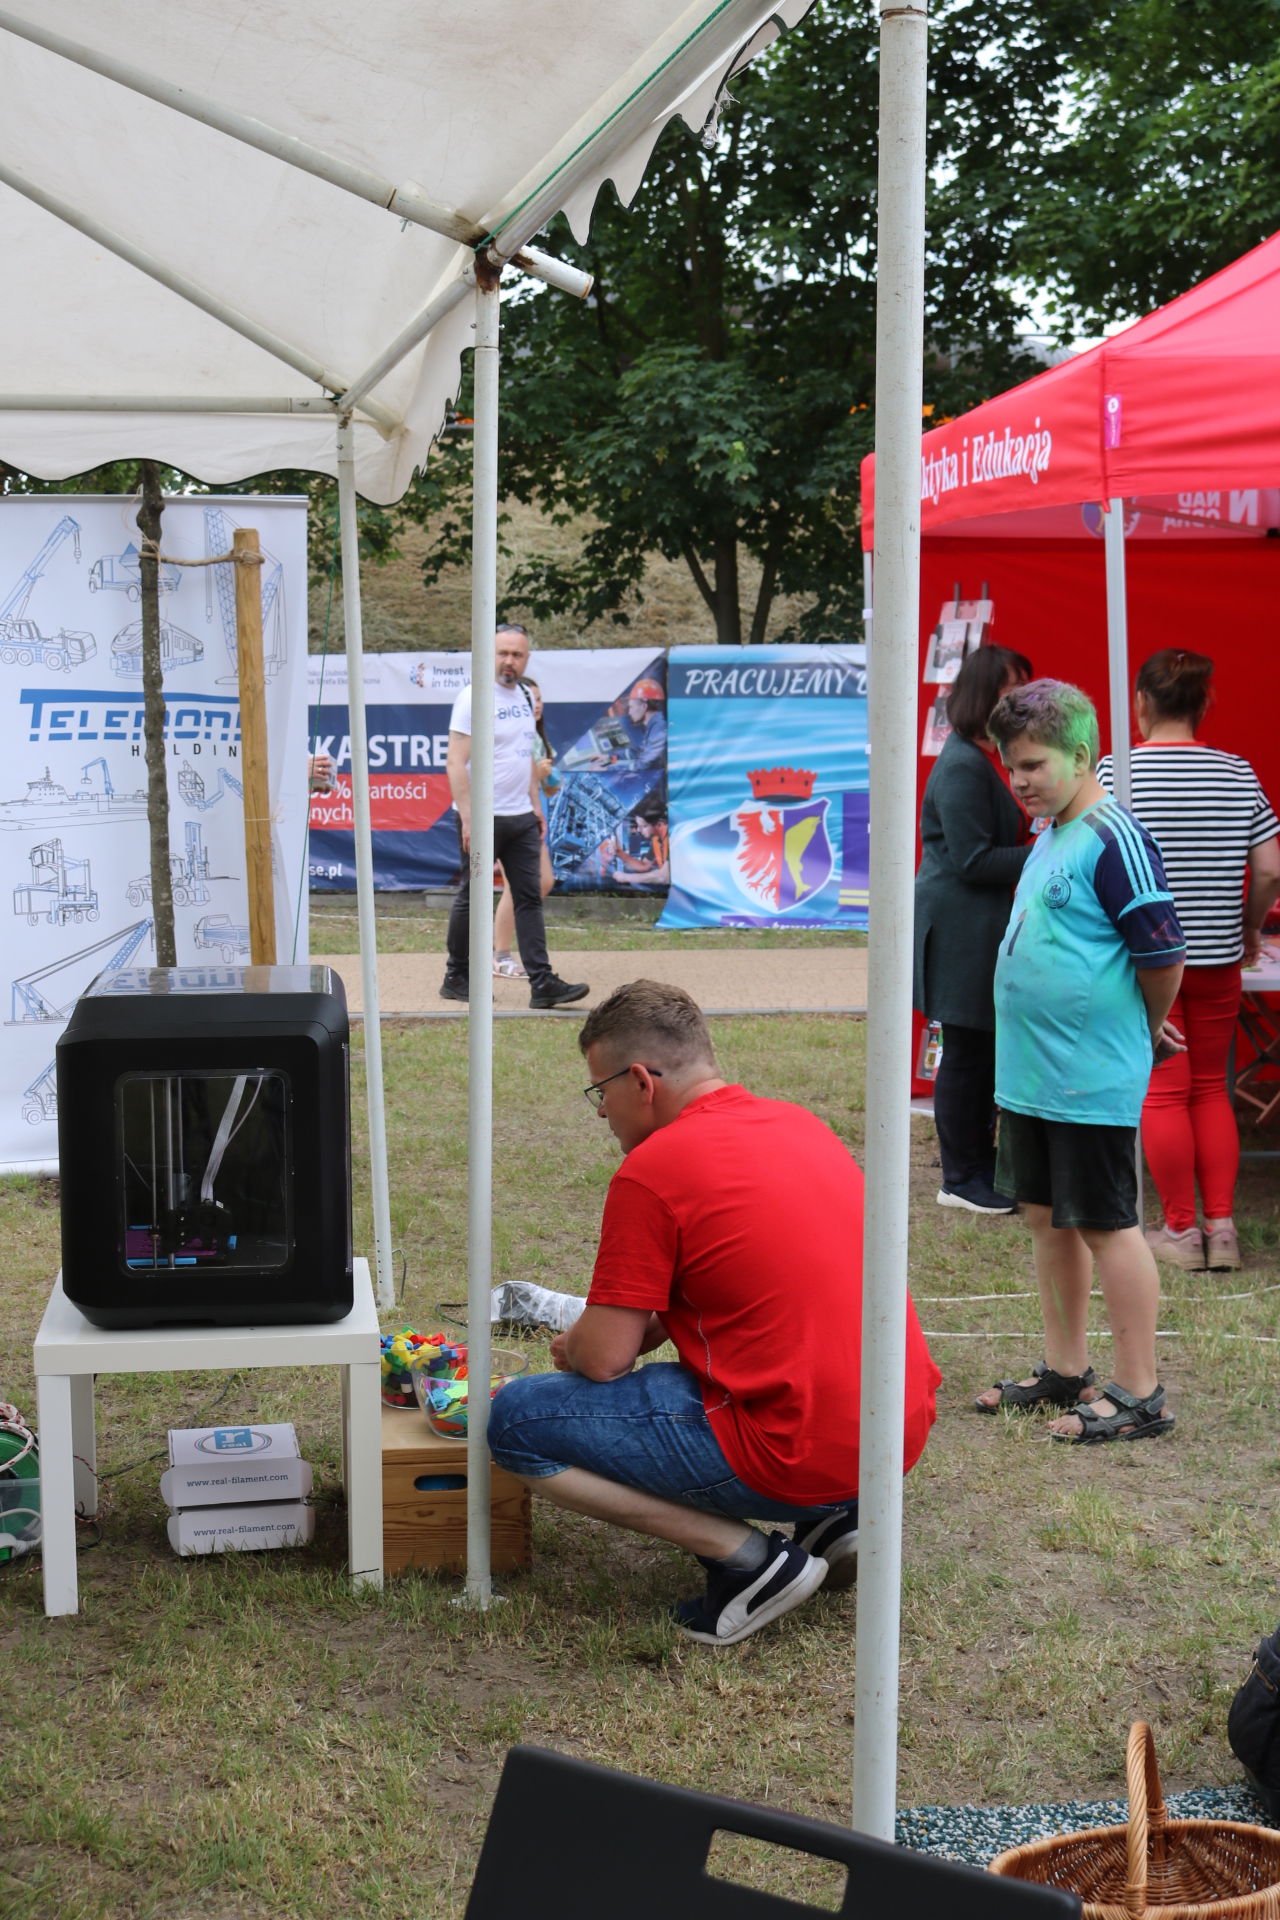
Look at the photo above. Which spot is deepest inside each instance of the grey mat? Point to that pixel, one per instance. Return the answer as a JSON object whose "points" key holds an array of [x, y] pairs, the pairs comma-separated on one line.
{"points": [[978, 1834]]}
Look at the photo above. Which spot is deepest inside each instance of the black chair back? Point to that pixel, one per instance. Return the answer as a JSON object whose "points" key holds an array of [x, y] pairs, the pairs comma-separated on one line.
{"points": [[573, 1841]]}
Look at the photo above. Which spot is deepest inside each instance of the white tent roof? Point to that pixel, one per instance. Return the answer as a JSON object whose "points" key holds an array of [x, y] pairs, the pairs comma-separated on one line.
{"points": [[503, 111]]}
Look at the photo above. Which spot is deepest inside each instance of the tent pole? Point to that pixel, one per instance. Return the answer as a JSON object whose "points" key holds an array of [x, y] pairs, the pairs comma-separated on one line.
{"points": [[162, 403], [412, 335], [484, 591], [1118, 677], [364, 864], [899, 375], [1118, 650]]}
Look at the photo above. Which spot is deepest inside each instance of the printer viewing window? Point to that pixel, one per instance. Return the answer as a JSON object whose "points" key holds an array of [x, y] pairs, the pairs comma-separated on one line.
{"points": [[204, 1169]]}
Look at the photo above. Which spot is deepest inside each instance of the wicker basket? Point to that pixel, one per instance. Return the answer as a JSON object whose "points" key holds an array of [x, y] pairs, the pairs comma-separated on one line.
{"points": [[1178, 1868]]}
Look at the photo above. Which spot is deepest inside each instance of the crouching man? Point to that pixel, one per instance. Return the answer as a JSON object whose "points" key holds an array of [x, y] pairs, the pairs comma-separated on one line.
{"points": [[733, 1228]]}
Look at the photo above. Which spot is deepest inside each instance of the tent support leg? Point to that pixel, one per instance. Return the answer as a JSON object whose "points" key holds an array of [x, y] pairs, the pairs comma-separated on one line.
{"points": [[386, 1291], [1117, 649], [1118, 682], [899, 376], [484, 591]]}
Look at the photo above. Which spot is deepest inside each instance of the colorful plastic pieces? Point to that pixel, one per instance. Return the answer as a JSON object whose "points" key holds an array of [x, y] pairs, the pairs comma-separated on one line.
{"points": [[406, 1352], [429, 1370]]}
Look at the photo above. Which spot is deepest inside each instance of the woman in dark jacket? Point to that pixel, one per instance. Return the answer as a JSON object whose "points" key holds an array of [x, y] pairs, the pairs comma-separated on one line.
{"points": [[974, 837]]}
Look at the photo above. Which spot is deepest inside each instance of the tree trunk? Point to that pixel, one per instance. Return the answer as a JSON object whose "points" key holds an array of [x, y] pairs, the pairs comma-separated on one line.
{"points": [[728, 614], [149, 514], [764, 599], [722, 599]]}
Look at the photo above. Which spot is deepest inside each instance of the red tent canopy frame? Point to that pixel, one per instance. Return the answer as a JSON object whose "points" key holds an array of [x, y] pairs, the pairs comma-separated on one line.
{"points": [[1190, 393], [1155, 455]]}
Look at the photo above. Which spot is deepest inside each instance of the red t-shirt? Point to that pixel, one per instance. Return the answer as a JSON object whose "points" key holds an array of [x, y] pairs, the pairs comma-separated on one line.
{"points": [[740, 1225]]}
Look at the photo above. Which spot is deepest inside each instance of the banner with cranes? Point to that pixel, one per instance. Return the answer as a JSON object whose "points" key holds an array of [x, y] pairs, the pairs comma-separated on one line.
{"points": [[75, 876]]}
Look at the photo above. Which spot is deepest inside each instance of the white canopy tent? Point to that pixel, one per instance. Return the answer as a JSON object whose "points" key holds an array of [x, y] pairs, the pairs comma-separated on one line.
{"points": [[243, 240]]}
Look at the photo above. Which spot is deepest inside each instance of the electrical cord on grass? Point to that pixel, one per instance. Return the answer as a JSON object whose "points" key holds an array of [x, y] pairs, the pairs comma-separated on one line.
{"points": [[118, 1473], [24, 1557], [958, 1299]]}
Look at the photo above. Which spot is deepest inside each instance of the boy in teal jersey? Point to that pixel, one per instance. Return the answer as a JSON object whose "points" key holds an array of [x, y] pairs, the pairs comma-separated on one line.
{"points": [[1088, 970]]}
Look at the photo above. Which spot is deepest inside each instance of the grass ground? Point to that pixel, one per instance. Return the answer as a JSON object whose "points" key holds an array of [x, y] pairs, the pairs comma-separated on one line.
{"points": [[415, 923], [244, 1737]]}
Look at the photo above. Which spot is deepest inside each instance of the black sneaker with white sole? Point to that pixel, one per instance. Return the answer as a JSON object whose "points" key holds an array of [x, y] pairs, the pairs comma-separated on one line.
{"points": [[737, 1604], [976, 1196], [834, 1540], [555, 992]]}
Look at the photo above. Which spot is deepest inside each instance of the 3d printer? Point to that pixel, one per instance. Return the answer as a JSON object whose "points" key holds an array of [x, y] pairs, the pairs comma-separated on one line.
{"points": [[204, 1141]]}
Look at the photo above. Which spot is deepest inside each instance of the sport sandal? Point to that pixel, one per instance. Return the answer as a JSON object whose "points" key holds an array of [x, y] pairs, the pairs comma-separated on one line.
{"points": [[1051, 1389], [1133, 1419]]}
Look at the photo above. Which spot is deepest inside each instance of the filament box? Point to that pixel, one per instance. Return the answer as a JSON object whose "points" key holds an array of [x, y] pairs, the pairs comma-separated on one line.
{"points": [[204, 1145]]}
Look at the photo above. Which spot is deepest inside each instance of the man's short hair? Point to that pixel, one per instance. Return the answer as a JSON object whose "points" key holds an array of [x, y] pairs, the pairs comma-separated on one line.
{"points": [[650, 1021], [1053, 713]]}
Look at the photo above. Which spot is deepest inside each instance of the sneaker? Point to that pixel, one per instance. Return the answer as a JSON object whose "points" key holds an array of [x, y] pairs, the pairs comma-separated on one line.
{"points": [[1185, 1250], [976, 1196], [737, 1604], [456, 987], [555, 992], [1221, 1247], [508, 968], [834, 1540]]}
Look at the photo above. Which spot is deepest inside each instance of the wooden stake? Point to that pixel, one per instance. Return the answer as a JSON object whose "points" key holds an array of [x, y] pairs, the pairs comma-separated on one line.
{"points": [[253, 749]]}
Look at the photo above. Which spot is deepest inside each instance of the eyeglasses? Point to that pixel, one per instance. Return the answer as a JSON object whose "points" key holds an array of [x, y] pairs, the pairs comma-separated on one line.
{"points": [[595, 1092]]}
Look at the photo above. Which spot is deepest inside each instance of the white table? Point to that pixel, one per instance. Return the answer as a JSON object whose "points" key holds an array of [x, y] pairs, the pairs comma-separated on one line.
{"points": [[1260, 1023], [70, 1350], [1265, 977]]}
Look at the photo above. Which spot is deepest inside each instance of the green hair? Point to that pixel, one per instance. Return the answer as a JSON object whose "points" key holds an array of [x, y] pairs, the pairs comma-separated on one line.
{"points": [[1051, 712]]}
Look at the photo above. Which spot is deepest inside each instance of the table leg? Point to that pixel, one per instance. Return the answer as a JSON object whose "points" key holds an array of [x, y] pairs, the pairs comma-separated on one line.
{"points": [[84, 1445], [364, 1472], [57, 1494], [345, 1377]]}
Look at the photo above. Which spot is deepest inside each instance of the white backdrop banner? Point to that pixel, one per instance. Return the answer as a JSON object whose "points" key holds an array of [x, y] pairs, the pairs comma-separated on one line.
{"points": [[75, 881]]}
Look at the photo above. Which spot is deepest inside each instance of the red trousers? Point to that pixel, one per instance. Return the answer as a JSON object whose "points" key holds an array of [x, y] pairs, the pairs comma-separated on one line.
{"points": [[1188, 1125]]}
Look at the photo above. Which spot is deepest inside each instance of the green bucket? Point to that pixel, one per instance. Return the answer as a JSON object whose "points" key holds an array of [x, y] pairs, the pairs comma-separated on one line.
{"points": [[19, 1496]]}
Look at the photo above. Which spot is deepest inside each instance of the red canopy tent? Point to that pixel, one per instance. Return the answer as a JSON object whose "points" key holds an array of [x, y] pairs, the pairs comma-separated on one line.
{"points": [[1192, 390], [1155, 455]]}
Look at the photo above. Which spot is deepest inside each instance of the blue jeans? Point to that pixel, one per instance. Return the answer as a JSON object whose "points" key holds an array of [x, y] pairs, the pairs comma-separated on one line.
{"points": [[647, 1430]]}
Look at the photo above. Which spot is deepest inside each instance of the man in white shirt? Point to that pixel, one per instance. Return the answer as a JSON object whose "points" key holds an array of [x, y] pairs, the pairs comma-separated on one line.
{"points": [[518, 827]]}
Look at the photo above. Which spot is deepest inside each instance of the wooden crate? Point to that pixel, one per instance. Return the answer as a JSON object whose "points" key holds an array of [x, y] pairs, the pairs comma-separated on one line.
{"points": [[427, 1526]]}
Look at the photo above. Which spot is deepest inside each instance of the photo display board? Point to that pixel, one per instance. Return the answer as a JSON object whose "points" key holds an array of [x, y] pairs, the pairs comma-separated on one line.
{"points": [[963, 626], [75, 875], [604, 720]]}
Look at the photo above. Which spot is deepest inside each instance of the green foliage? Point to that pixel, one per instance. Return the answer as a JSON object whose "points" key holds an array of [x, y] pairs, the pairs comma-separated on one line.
{"points": [[714, 395], [1169, 165]]}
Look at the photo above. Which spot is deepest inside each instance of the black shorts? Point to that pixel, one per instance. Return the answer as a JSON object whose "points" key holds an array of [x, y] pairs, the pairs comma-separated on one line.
{"points": [[1087, 1174]]}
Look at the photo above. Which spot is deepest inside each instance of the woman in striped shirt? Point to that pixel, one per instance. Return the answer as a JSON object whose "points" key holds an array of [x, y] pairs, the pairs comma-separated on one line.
{"points": [[1212, 822]]}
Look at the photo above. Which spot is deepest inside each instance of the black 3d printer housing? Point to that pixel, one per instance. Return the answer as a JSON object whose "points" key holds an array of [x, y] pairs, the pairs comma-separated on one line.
{"points": [[204, 1145]]}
